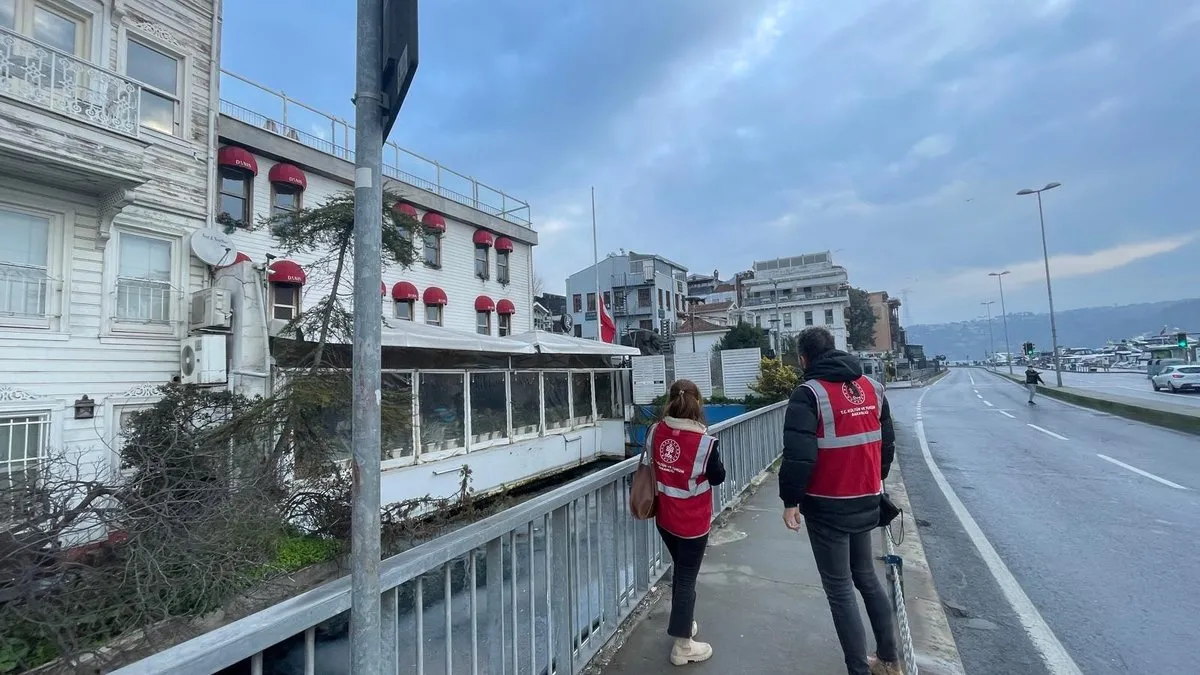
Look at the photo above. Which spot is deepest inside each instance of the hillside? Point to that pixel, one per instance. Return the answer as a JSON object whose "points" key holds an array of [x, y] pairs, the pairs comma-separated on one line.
{"points": [[1089, 327]]}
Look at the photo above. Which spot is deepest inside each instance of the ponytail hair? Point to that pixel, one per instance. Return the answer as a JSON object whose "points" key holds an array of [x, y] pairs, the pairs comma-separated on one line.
{"points": [[684, 401]]}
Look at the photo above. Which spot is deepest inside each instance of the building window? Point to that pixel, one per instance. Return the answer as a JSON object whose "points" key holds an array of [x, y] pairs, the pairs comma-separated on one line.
{"points": [[481, 262], [608, 301], [787, 319], [23, 441], [433, 315], [403, 309], [577, 303], [578, 330], [808, 319], [235, 195], [160, 75], [285, 301], [48, 23], [829, 317], [502, 266], [660, 298], [432, 248], [643, 297], [758, 320], [646, 324], [505, 325], [284, 200], [144, 279], [483, 323], [24, 265], [591, 302]]}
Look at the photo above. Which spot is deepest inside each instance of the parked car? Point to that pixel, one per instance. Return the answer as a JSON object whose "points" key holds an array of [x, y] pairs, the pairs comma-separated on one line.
{"points": [[1177, 379]]}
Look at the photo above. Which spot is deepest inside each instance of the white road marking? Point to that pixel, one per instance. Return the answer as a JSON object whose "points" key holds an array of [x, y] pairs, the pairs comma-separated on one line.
{"points": [[1053, 653], [1139, 472], [1008, 414], [988, 404], [972, 378], [979, 395], [1049, 433]]}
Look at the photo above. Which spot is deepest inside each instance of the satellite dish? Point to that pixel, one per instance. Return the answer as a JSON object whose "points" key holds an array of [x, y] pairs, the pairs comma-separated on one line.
{"points": [[213, 247]]}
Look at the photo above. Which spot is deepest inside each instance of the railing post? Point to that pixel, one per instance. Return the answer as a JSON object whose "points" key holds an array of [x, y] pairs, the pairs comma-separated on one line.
{"points": [[283, 97], [389, 628], [495, 606], [608, 513], [558, 548], [641, 556]]}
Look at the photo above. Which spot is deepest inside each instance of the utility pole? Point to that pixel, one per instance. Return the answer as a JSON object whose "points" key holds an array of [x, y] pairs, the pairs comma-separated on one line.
{"points": [[385, 64], [1004, 312], [991, 338], [1049, 292]]}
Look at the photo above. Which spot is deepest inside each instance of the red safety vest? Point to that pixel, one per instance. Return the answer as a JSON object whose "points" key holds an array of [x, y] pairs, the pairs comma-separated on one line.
{"points": [[680, 456], [849, 439]]}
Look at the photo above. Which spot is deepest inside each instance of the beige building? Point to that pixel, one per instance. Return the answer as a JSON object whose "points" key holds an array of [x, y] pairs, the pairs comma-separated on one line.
{"points": [[889, 336]]}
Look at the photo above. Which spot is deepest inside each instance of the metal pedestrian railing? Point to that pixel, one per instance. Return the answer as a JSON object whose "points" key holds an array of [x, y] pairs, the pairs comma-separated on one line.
{"points": [[536, 589], [894, 565]]}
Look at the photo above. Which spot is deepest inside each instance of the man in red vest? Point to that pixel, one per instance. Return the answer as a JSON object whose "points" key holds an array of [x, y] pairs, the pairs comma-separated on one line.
{"points": [[838, 445]]}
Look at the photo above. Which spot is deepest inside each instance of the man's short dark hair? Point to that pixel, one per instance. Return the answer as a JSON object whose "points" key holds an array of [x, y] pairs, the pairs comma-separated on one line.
{"points": [[815, 342]]}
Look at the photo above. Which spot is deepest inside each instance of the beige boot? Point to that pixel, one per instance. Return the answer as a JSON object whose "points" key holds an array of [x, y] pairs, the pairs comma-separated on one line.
{"points": [[695, 628], [687, 650], [879, 667]]}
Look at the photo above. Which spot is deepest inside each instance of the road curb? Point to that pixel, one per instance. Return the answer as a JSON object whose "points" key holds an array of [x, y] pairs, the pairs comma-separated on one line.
{"points": [[1187, 423], [933, 641]]}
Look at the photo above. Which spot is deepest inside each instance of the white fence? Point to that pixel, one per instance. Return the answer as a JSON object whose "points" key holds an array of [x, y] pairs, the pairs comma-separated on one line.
{"points": [[696, 367], [739, 370], [649, 378]]}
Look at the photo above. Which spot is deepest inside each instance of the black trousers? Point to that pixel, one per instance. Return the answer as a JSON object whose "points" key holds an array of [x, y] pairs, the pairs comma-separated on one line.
{"points": [[845, 562], [686, 556]]}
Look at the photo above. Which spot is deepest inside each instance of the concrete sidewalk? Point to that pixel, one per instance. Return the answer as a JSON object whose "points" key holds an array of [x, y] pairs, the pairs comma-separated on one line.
{"points": [[759, 603]]}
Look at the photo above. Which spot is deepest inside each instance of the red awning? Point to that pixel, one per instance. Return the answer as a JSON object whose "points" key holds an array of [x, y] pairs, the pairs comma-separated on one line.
{"points": [[382, 290], [286, 272], [483, 238], [239, 258], [288, 175], [434, 221], [504, 244], [506, 306], [405, 210], [484, 304], [404, 292], [239, 158], [435, 296]]}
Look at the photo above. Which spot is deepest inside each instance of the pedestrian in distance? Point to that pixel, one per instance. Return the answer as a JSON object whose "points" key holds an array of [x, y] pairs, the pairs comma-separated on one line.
{"points": [[1032, 379], [687, 465], [838, 446]]}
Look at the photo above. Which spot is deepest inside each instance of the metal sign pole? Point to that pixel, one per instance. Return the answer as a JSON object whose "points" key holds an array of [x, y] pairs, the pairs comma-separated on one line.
{"points": [[365, 643]]}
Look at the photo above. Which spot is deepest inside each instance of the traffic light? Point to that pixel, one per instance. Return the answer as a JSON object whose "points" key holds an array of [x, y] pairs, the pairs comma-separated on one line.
{"points": [[1028, 348], [1181, 340]]}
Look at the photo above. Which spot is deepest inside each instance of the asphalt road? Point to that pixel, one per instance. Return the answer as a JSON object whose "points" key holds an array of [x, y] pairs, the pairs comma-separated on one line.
{"points": [[1129, 385], [1102, 550]]}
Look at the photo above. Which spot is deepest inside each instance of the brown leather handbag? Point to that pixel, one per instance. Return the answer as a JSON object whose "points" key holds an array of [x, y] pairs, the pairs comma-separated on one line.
{"points": [[643, 494]]}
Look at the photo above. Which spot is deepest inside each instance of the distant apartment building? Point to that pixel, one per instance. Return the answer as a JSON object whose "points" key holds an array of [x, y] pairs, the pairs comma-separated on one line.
{"points": [[889, 336], [712, 299], [549, 310], [641, 291], [787, 295]]}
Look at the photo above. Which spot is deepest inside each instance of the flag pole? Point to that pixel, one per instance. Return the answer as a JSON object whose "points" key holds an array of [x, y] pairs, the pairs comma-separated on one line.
{"points": [[596, 267]]}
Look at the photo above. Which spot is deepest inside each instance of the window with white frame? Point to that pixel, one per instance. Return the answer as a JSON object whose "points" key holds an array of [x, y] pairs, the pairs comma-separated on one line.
{"points": [[23, 441], [483, 323], [433, 315], [808, 319], [505, 325], [161, 75], [404, 309], [431, 248], [235, 192], [25, 279], [284, 200], [144, 291], [829, 317], [123, 416], [55, 24], [285, 301], [481, 262], [502, 266]]}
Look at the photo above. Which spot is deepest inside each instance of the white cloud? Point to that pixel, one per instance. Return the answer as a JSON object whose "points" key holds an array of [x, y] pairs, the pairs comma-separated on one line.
{"points": [[1062, 266], [932, 146]]}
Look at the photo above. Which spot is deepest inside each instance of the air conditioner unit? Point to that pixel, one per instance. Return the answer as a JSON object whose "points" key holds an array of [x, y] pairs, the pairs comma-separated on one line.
{"points": [[202, 360], [211, 309]]}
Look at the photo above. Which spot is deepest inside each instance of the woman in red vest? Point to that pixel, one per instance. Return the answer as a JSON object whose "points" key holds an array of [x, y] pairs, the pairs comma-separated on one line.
{"points": [[687, 467]]}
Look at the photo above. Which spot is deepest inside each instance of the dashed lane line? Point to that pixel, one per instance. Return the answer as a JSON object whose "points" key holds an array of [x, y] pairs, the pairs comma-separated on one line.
{"points": [[1049, 433], [1139, 472]]}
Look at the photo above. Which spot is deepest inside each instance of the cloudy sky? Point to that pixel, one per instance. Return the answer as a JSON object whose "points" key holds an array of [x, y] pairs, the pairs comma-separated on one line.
{"points": [[717, 132]]}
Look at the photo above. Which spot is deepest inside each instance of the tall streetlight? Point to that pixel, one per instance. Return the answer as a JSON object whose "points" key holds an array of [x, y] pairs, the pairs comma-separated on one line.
{"points": [[1049, 292], [1004, 313], [691, 301], [991, 338]]}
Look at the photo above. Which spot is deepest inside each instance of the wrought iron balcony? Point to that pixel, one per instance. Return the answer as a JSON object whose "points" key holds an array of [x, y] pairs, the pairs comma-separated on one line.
{"points": [[41, 76]]}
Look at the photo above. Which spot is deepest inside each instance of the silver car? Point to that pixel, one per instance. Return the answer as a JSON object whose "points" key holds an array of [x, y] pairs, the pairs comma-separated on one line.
{"points": [[1177, 378]]}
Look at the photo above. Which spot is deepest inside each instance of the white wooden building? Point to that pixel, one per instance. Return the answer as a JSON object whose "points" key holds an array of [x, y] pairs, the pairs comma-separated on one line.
{"points": [[106, 126]]}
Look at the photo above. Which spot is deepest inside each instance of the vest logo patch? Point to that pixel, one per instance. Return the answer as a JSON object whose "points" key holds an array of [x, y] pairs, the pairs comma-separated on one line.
{"points": [[669, 451], [854, 398]]}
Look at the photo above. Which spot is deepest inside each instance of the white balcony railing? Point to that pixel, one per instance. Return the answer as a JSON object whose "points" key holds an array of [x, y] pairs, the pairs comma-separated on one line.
{"points": [[785, 298], [45, 77], [24, 291]]}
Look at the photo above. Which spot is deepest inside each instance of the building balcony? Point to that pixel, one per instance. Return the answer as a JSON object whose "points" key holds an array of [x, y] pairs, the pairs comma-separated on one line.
{"points": [[631, 279], [65, 120], [795, 298]]}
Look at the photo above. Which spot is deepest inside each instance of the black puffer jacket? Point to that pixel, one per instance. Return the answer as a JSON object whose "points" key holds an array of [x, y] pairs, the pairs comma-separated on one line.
{"points": [[800, 451]]}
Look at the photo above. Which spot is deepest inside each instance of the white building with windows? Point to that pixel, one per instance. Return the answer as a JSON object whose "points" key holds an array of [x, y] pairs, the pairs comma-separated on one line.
{"points": [[788, 295], [107, 118], [641, 291]]}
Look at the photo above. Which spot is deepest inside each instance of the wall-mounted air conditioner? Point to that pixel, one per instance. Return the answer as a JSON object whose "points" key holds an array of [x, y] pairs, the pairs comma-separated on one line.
{"points": [[202, 360], [211, 309]]}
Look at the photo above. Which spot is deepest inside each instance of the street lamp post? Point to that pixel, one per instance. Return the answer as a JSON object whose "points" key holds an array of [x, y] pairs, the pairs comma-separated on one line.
{"points": [[1049, 292], [775, 322], [691, 301], [1004, 313], [991, 338]]}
